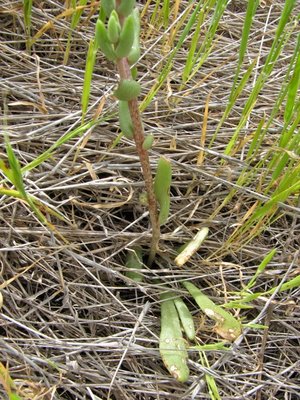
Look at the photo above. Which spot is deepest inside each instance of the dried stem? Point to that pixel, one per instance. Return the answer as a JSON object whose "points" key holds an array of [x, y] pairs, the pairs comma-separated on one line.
{"points": [[138, 135]]}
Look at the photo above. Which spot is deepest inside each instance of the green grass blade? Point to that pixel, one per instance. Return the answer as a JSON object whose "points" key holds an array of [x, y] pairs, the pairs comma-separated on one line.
{"points": [[234, 95], [250, 13], [6, 171], [206, 47], [66, 137], [210, 380], [166, 13], [169, 63], [289, 134], [289, 181], [287, 131], [277, 45], [271, 205], [285, 15], [17, 179], [27, 10], [88, 73], [256, 142], [255, 326], [293, 87], [15, 169], [260, 269], [292, 284], [288, 152], [39, 204], [76, 16], [237, 90], [211, 346], [190, 61], [74, 22], [155, 14]]}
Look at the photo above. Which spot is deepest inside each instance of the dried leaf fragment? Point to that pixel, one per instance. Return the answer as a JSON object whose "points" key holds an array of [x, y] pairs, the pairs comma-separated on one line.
{"points": [[192, 247]]}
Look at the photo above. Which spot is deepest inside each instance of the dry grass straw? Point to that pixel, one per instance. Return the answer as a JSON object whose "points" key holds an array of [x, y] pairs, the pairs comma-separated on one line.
{"points": [[72, 326]]}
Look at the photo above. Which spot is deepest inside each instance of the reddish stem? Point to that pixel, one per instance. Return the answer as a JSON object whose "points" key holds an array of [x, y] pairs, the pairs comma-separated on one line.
{"points": [[138, 135]]}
